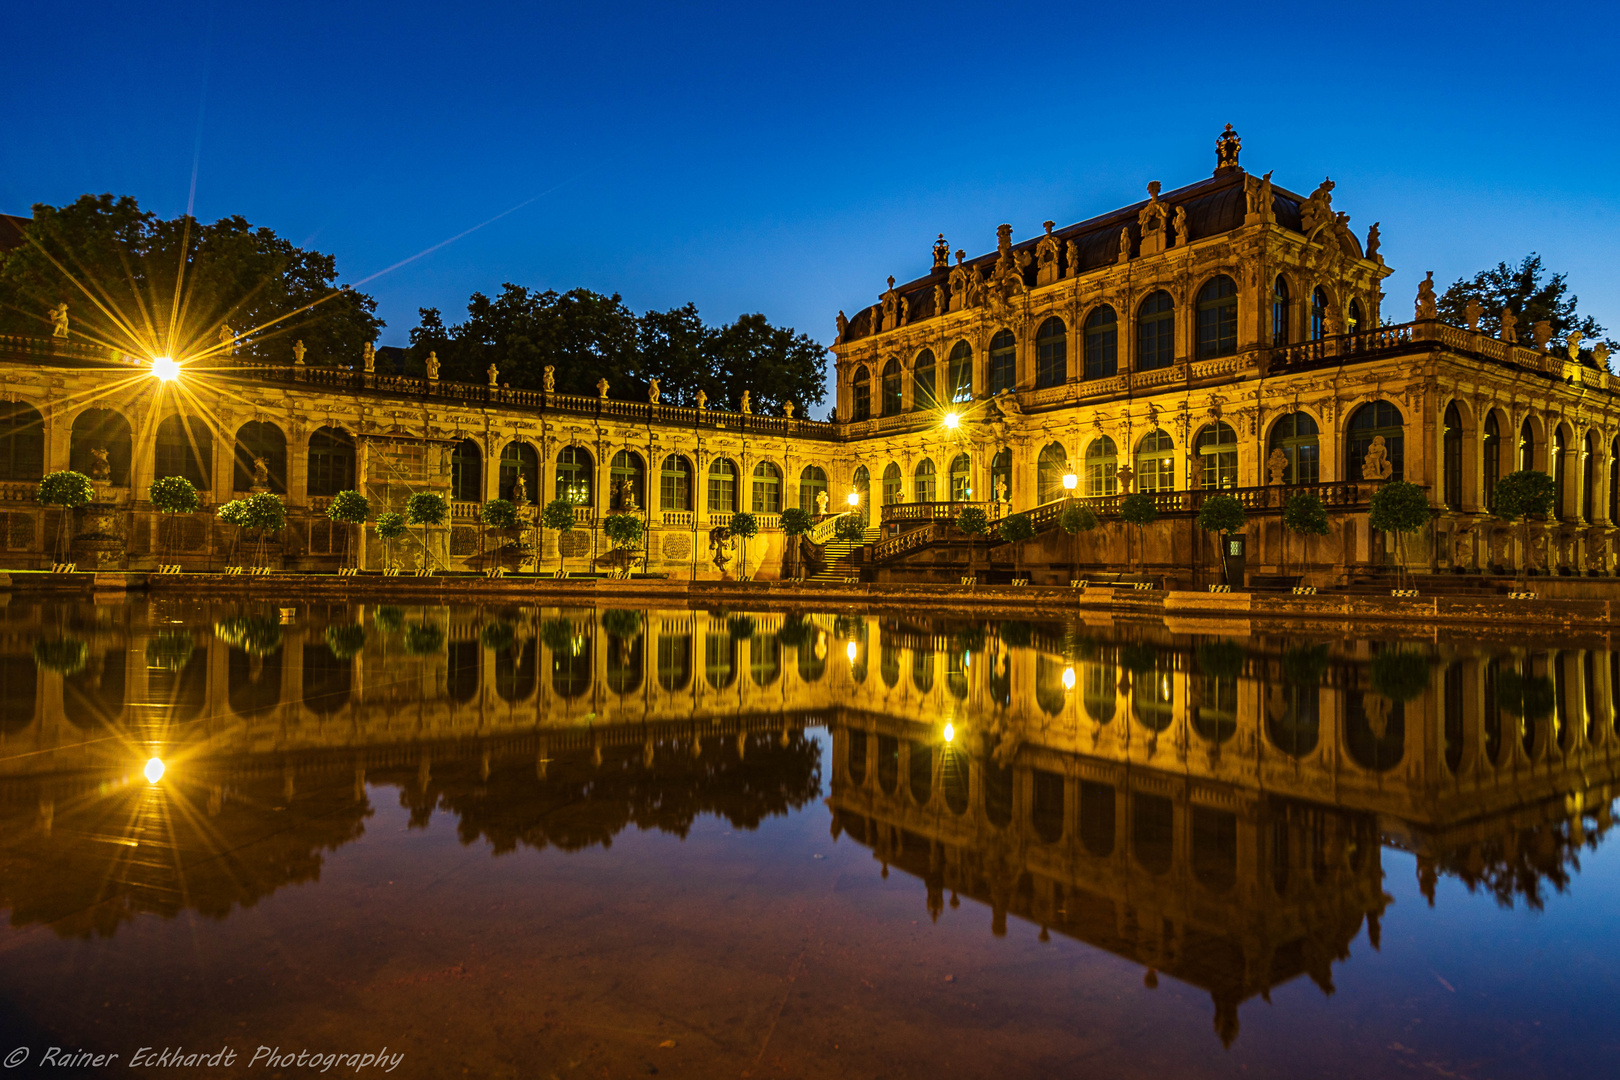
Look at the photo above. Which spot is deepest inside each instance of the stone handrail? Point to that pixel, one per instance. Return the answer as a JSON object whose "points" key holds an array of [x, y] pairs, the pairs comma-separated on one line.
{"points": [[824, 529], [934, 511], [910, 539]]}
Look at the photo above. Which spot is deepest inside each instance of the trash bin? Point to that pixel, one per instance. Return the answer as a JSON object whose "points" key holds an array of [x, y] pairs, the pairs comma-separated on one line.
{"points": [[1236, 559]]}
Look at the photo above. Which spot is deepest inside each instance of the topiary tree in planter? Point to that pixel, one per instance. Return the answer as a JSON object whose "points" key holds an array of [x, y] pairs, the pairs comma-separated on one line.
{"points": [[1399, 507], [1076, 519], [1137, 509], [972, 522], [848, 527], [558, 516], [426, 508], [1222, 515], [345, 642], [796, 521], [1306, 515], [234, 514], [423, 638], [1015, 530], [624, 531], [390, 527], [171, 495], [348, 508], [67, 491], [265, 515], [1520, 496], [746, 526]]}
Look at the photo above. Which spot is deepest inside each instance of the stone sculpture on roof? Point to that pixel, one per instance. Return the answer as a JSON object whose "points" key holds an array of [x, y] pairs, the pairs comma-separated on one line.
{"points": [[1227, 147]]}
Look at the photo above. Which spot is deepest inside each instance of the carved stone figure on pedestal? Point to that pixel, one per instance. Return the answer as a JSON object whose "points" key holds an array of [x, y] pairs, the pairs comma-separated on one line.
{"points": [[627, 496], [520, 490], [59, 320], [1425, 306], [1373, 242], [433, 365], [261, 474], [1600, 353], [100, 469], [653, 392], [1510, 326], [942, 253], [227, 341], [602, 387], [958, 282], [787, 409], [1316, 212], [1572, 344], [1124, 476], [549, 379], [843, 326], [368, 357], [702, 400], [1227, 147], [1071, 252], [1046, 257], [1471, 313], [1376, 465], [1182, 233], [1541, 333], [494, 375], [1195, 472], [1277, 465], [746, 406], [299, 351], [1125, 245], [1001, 489]]}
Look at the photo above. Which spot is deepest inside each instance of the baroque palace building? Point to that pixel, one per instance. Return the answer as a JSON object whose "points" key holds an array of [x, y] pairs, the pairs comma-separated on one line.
{"points": [[1226, 335]]}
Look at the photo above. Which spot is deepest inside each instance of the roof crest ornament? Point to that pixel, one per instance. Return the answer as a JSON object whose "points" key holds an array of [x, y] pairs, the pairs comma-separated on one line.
{"points": [[1226, 150]]}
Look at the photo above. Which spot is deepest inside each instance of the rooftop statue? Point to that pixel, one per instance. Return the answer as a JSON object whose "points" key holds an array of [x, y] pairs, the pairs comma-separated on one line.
{"points": [[1373, 241], [746, 406], [299, 351], [942, 253], [1227, 147], [550, 379], [1425, 306], [368, 355], [1542, 333], [1317, 211], [494, 375], [653, 392], [843, 326], [227, 341], [59, 320], [1572, 344], [432, 364], [602, 387], [1510, 326], [1472, 311]]}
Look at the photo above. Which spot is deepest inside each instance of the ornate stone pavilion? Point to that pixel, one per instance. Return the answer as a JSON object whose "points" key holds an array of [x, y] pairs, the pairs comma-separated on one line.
{"points": [[1227, 335]]}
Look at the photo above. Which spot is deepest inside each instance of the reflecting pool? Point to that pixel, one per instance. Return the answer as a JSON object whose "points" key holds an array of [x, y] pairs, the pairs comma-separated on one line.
{"points": [[540, 841]]}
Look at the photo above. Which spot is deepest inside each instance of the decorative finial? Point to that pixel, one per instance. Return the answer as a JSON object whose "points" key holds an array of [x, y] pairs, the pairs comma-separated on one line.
{"points": [[891, 281], [942, 253], [299, 351], [1048, 225], [1153, 190], [960, 255], [1226, 149]]}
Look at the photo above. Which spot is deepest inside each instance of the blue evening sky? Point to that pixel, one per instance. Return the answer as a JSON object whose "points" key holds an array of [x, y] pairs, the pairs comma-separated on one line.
{"points": [[787, 159]]}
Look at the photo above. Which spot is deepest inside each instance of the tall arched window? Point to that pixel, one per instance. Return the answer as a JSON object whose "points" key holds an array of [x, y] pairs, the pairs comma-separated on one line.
{"points": [[185, 447], [103, 429], [960, 373], [1050, 466], [1001, 475], [576, 475], [627, 468], [1155, 462], [1003, 362], [331, 462], [923, 389], [923, 481], [1352, 321], [1102, 463], [1558, 472], [1527, 446], [466, 472], [675, 484], [892, 485], [1051, 353], [1217, 318], [862, 483], [812, 482], [766, 496], [1156, 332], [521, 459], [891, 388], [1372, 420], [1297, 436], [862, 386], [1319, 307], [1614, 486], [1451, 446], [1491, 453], [22, 442], [722, 486], [1101, 359], [1589, 460], [1216, 450], [1279, 311], [961, 479]]}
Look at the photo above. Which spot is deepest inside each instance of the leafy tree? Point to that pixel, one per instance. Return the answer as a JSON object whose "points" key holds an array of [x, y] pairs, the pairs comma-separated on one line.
{"points": [[740, 627], [1222, 659], [1223, 515], [972, 521], [796, 521], [266, 515], [1399, 507], [390, 527], [350, 508], [558, 636], [63, 655], [497, 636], [1305, 514], [269, 291], [234, 514], [677, 349], [1400, 674], [622, 624], [345, 642], [1015, 530], [1530, 295], [849, 527], [389, 619], [746, 526], [426, 508], [255, 635], [625, 532], [1138, 509], [1525, 696], [773, 363], [172, 495], [1520, 496], [66, 490], [170, 650], [559, 516], [1077, 518], [423, 638]]}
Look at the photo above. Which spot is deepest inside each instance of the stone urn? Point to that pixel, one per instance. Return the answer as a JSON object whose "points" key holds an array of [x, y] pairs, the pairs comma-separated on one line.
{"points": [[98, 541]]}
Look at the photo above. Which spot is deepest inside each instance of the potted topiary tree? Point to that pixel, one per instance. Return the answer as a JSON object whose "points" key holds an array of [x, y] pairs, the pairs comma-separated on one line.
{"points": [[426, 508], [171, 495], [1076, 519], [625, 532], [746, 526], [1400, 508], [1015, 530], [265, 515], [796, 521], [390, 527], [1222, 515], [67, 491], [1137, 509], [558, 516], [349, 508], [972, 521], [234, 514], [1305, 514], [499, 516], [1520, 496]]}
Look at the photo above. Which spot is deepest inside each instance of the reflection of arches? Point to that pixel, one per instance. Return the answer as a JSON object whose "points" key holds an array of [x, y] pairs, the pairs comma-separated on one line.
{"points": [[1097, 813], [1046, 805], [998, 793], [889, 664], [954, 780], [517, 672], [520, 459], [857, 757], [95, 694], [1215, 714], [674, 661], [719, 659], [1293, 720], [1152, 832], [812, 666], [464, 670], [888, 763], [1375, 730], [625, 664], [103, 429], [182, 690], [920, 772], [922, 670], [1098, 696], [571, 670], [18, 674], [1050, 693], [1153, 695], [252, 683], [22, 442], [327, 680], [765, 660], [254, 440], [185, 447], [1214, 848]]}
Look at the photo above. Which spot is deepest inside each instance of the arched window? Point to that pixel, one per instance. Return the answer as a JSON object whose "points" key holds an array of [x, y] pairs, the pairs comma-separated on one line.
{"points": [[961, 479], [1102, 463], [1589, 460], [1051, 353], [1001, 475], [1377, 419], [1217, 318], [466, 472], [575, 475], [1156, 332], [719, 659], [1614, 500], [923, 481], [1297, 436], [891, 388], [103, 429], [1003, 362], [257, 440], [1279, 311], [519, 459], [1527, 446], [723, 486], [892, 485], [1558, 472], [767, 489], [862, 384], [627, 468], [862, 483], [1491, 453], [675, 484], [185, 447], [1155, 462], [812, 482], [922, 381], [1050, 466], [960, 373], [1102, 343], [1451, 445], [22, 442], [1216, 450], [1352, 320], [1319, 307]]}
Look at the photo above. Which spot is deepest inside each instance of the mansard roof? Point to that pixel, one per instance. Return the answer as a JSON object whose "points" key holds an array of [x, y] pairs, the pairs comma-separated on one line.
{"points": [[1214, 206]]}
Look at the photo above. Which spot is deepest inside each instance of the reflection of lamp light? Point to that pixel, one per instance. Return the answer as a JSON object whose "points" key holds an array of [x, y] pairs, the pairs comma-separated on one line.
{"points": [[854, 499], [852, 650], [1070, 481], [1068, 678], [153, 770], [950, 733], [165, 369], [950, 420]]}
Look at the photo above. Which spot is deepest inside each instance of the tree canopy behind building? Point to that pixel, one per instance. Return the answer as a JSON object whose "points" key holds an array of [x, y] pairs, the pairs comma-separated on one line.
{"points": [[129, 276], [1531, 295]]}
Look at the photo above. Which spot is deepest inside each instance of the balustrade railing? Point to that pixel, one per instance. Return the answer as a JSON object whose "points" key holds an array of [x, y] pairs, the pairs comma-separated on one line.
{"points": [[463, 511], [934, 511]]}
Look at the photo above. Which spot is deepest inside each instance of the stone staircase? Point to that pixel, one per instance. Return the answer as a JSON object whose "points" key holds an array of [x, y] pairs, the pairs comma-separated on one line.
{"points": [[838, 565]]}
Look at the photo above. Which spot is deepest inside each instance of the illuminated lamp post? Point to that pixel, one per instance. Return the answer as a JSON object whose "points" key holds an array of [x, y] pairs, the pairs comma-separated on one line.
{"points": [[1070, 482]]}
